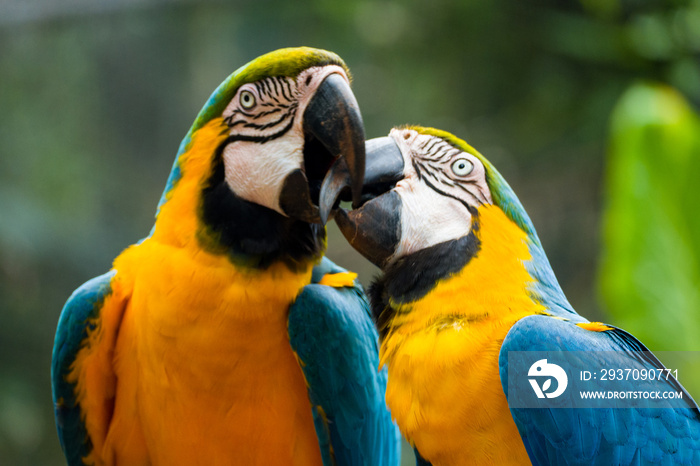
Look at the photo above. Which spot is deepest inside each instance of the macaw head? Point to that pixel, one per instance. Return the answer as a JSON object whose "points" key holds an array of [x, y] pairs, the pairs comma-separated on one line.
{"points": [[423, 187], [252, 164], [428, 199]]}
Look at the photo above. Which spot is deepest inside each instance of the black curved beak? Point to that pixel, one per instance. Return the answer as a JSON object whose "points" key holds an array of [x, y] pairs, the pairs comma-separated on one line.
{"points": [[334, 132], [383, 169], [374, 227]]}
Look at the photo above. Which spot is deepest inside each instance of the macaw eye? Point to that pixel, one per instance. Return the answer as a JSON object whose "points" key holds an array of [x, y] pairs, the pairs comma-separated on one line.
{"points": [[247, 99], [462, 167]]}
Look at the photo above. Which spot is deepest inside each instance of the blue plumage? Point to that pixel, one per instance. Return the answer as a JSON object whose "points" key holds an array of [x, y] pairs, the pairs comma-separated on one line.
{"points": [[73, 325], [637, 435], [332, 333]]}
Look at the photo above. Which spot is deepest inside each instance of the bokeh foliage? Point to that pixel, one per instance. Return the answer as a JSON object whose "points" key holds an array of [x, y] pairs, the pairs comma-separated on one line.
{"points": [[96, 96], [650, 272], [650, 267]]}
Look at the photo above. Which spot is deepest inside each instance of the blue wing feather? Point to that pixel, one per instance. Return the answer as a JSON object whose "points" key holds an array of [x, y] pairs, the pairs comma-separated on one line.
{"points": [[73, 324], [332, 333], [638, 435]]}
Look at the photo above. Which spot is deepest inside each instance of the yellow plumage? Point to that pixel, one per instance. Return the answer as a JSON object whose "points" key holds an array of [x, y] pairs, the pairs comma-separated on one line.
{"points": [[338, 280], [442, 353], [199, 349], [594, 326]]}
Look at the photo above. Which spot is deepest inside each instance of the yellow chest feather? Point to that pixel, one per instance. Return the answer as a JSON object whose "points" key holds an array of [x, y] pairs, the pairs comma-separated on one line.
{"points": [[203, 368], [190, 362], [442, 351]]}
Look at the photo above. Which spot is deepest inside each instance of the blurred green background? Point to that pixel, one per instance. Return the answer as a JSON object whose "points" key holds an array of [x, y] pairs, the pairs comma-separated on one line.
{"points": [[588, 108]]}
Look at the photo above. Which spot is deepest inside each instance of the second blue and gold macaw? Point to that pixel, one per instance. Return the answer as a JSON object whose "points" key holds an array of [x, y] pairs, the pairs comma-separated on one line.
{"points": [[224, 337], [465, 282]]}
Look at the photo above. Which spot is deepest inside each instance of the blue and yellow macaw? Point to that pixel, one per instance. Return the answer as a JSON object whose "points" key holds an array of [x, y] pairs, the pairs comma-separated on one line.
{"points": [[466, 283], [225, 337]]}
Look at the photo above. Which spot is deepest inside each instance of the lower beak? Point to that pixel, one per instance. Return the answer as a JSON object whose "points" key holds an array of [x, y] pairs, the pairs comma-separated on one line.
{"points": [[333, 119], [373, 228]]}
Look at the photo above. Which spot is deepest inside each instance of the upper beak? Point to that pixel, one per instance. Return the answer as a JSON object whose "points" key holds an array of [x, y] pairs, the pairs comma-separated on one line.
{"points": [[374, 227], [384, 168], [332, 117]]}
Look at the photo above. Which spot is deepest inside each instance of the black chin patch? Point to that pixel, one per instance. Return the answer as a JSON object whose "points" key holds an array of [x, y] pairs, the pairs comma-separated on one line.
{"points": [[253, 235], [411, 277], [294, 199]]}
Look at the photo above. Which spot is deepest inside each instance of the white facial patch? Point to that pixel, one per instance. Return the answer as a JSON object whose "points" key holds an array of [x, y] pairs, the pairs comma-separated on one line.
{"points": [[428, 218], [258, 175], [440, 185]]}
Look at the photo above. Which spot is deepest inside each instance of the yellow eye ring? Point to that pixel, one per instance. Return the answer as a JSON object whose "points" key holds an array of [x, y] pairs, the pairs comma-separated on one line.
{"points": [[462, 167], [247, 100]]}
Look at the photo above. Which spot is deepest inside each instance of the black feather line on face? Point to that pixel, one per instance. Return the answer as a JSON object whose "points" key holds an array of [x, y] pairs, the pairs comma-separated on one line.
{"points": [[271, 123], [253, 235], [411, 277], [472, 210]]}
